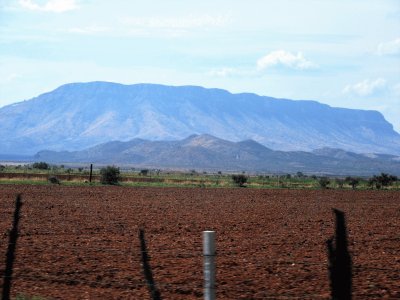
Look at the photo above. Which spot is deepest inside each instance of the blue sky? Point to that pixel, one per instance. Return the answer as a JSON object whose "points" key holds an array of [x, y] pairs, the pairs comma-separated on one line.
{"points": [[344, 53]]}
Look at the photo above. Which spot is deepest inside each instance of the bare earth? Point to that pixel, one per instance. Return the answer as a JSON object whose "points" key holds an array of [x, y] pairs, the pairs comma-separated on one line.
{"points": [[82, 242]]}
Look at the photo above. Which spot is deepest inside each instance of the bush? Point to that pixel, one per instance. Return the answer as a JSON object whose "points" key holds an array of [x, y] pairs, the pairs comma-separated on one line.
{"points": [[54, 180], [339, 182], [382, 180], [109, 175], [239, 180], [323, 182], [144, 172], [352, 181], [41, 165], [373, 182]]}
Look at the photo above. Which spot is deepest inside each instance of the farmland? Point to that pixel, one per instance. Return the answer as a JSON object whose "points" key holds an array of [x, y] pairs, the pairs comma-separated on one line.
{"points": [[82, 242]]}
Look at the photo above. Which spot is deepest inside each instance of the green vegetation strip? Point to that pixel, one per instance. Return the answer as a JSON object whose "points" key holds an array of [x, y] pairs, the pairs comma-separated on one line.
{"points": [[54, 175]]}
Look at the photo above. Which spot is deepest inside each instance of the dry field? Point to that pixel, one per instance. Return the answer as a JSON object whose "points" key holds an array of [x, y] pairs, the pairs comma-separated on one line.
{"points": [[82, 242]]}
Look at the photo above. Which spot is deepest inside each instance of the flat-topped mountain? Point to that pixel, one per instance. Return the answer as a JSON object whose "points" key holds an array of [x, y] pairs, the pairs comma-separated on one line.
{"points": [[79, 115], [206, 152]]}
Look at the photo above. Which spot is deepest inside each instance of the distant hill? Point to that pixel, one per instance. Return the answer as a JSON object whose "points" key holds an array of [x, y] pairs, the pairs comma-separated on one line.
{"points": [[206, 152], [79, 115]]}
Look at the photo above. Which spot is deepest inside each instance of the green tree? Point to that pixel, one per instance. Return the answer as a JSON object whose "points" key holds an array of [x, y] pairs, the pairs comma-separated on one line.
{"points": [[109, 175], [339, 182], [41, 165], [374, 182], [144, 172], [382, 180], [352, 181], [323, 182], [239, 180]]}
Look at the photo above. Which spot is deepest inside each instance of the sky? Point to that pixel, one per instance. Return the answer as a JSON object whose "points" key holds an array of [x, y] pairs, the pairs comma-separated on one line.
{"points": [[345, 53]]}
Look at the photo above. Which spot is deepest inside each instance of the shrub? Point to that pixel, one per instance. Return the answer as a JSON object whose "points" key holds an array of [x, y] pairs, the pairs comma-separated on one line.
{"points": [[239, 180], [373, 182], [54, 180], [323, 182], [352, 181], [41, 165], [382, 180], [144, 172], [389, 179], [109, 175], [339, 182]]}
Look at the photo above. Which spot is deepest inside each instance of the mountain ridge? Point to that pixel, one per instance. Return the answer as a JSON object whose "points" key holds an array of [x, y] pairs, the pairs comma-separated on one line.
{"points": [[78, 115], [206, 152]]}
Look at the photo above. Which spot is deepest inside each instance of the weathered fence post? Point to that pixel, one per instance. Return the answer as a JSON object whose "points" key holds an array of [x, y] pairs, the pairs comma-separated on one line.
{"points": [[91, 172], [209, 264]]}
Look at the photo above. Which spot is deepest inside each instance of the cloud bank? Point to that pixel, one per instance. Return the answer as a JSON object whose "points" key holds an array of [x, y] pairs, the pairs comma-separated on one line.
{"points": [[285, 59], [188, 22], [366, 88], [57, 6], [389, 48]]}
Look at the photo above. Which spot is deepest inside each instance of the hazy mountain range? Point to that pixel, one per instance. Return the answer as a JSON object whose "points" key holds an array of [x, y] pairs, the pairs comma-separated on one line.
{"points": [[80, 115], [206, 152]]}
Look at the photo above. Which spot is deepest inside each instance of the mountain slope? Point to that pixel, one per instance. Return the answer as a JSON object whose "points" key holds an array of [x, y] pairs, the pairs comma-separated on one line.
{"points": [[207, 152], [79, 115]]}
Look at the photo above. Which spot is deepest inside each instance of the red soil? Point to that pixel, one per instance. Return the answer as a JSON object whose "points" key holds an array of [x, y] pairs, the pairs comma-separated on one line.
{"points": [[82, 242]]}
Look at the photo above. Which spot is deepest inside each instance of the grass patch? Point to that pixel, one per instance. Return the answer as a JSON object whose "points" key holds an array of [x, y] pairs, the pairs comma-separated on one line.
{"points": [[178, 179]]}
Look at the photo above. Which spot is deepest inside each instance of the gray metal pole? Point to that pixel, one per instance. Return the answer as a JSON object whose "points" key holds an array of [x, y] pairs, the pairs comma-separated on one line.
{"points": [[209, 264]]}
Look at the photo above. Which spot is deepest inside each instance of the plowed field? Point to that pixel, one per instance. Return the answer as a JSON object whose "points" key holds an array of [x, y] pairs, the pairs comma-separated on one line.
{"points": [[82, 242]]}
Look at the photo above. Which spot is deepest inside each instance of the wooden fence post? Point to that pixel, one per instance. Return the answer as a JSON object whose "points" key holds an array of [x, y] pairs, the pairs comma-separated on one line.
{"points": [[91, 172], [209, 264]]}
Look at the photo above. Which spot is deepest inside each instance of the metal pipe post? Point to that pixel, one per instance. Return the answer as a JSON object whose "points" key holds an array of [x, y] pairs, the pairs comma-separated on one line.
{"points": [[209, 264]]}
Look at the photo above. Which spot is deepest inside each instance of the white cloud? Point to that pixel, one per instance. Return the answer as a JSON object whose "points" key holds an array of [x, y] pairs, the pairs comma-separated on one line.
{"points": [[12, 77], [89, 30], [396, 89], [188, 22], [285, 59], [389, 48], [223, 72], [57, 6], [8, 78], [155, 26], [366, 88]]}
